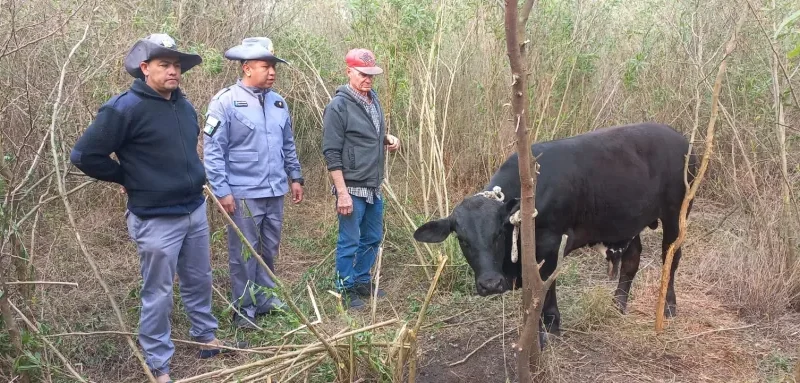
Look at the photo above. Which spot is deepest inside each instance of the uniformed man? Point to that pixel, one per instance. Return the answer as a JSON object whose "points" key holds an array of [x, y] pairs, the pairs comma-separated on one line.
{"points": [[249, 150], [153, 130]]}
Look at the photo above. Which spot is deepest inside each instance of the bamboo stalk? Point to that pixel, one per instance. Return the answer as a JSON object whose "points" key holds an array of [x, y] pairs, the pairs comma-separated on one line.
{"points": [[63, 193], [413, 334], [281, 287], [690, 192], [61, 356]]}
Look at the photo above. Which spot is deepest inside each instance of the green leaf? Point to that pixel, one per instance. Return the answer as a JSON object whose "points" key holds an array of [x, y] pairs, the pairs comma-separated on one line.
{"points": [[794, 16], [794, 53]]}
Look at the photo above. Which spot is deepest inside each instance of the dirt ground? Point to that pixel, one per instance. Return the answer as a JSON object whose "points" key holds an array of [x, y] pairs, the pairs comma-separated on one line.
{"points": [[707, 342]]}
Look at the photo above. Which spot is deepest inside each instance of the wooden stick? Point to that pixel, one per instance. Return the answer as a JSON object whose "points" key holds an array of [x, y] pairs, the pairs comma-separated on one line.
{"points": [[666, 268], [710, 332], [315, 347], [281, 287], [413, 333], [235, 309], [63, 192], [481, 346], [47, 342], [123, 333], [42, 283]]}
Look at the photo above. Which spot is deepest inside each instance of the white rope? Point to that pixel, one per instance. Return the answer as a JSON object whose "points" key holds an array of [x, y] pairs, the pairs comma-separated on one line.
{"points": [[497, 194]]}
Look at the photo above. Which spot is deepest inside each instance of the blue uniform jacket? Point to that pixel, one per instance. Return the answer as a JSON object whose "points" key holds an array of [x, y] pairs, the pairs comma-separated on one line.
{"points": [[248, 148]]}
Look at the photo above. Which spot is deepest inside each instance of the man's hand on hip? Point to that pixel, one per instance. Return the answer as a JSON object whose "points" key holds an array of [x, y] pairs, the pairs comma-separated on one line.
{"points": [[228, 203]]}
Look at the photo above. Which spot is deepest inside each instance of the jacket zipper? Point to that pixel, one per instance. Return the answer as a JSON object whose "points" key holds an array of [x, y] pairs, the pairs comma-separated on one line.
{"points": [[183, 143]]}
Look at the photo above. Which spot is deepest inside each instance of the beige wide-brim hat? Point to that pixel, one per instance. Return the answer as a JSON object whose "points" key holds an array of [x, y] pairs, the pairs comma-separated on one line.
{"points": [[157, 45], [254, 48]]}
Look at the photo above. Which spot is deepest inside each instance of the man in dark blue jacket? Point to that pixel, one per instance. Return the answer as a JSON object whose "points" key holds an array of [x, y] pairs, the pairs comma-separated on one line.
{"points": [[153, 130]]}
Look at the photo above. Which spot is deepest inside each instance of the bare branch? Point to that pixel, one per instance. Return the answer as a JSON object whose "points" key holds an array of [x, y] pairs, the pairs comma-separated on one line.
{"points": [[690, 192], [63, 193]]}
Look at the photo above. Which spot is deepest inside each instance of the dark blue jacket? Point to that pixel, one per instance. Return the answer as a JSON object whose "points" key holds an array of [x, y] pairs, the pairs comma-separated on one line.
{"points": [[155, 140]]}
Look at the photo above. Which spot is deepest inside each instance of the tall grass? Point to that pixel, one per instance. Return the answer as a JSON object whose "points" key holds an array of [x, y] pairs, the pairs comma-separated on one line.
{"points": [[446, 90]]}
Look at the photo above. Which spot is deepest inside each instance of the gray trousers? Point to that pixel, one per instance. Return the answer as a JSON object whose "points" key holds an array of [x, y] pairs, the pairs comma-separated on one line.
{"points": [[260, 221], [169, 245]]}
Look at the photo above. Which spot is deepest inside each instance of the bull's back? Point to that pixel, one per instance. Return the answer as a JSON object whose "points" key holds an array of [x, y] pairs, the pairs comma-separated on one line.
{"points": [[609, 183]]}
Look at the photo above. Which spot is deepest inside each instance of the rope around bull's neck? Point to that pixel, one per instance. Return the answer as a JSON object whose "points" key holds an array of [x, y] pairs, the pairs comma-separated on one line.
{"points": [[497, 194]]}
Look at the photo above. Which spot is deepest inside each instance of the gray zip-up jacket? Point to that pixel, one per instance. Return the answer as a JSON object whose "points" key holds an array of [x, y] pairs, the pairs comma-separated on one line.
{"points": [[350, 141]]}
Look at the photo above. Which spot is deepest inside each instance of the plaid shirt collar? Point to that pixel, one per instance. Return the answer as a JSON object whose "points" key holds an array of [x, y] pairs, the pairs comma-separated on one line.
{"points": [[360, 97]]}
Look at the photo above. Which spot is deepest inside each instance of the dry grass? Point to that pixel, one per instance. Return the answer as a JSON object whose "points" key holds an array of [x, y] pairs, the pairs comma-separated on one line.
{"points": [[593, 64]]}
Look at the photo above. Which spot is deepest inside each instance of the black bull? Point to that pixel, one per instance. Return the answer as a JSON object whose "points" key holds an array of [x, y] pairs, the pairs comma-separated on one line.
{"points": [[600, 188]]}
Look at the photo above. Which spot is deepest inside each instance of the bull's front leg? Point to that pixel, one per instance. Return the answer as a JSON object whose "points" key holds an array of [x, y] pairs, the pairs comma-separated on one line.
{"points": [[547, 248]]}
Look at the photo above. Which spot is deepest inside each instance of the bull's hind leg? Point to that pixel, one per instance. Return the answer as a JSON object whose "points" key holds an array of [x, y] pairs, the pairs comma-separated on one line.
{"points": [[630, 265], [670, 235]]}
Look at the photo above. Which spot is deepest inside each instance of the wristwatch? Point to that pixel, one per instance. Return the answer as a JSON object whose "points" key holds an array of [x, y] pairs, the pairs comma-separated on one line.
{"points": [[300, 181]]}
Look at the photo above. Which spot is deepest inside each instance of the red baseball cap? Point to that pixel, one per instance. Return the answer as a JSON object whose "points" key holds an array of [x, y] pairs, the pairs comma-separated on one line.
{"points": [[363, 61]]}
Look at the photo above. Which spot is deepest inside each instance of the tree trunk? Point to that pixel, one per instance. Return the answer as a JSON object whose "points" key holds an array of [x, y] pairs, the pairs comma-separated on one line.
{"points": [[534, 288]]}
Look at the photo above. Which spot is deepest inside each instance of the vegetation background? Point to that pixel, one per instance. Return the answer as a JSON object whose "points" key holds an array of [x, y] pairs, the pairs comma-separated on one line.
{"points": [[446, 90]]}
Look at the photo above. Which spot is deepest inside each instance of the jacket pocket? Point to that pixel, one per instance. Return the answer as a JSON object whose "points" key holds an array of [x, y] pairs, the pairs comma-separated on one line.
{"points": [[240, 128], [243, 167], [351, 157], [364, 164]]}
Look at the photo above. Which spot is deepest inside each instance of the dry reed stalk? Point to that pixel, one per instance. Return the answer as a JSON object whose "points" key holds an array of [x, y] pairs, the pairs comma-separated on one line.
{"points": [[42, 283], [398, 346], [11, 327], [690, 192], [414, 333], [464, 359], [263, 362], [388, 188], [314, 347], [281, 287], [123, 333], [63, 192], [35, 330], [234, 308], [377, 281]]}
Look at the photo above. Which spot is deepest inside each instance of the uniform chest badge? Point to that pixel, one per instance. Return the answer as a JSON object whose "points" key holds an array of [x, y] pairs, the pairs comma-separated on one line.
{"points": [[239, 104], [279, 104]]}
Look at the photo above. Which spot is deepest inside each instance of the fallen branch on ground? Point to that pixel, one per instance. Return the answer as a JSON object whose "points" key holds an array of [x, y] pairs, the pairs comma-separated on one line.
{"points": [[711, 332], [281, 287], [482, 345], [63, 193]]}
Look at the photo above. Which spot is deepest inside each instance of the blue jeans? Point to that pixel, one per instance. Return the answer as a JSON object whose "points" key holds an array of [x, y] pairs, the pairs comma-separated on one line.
{"points": [[360, 234]]}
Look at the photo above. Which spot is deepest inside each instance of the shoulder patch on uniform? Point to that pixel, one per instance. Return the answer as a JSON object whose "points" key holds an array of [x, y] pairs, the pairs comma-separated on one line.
{"points": [[279, 104], [212, 123]]}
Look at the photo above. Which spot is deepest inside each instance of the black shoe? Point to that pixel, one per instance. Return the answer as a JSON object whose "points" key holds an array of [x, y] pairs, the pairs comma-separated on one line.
{"points": [[351, 299], [210, 353], [365, 290], [244, 323]]}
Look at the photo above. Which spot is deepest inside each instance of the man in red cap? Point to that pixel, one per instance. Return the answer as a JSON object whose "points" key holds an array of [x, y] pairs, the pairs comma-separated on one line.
{"points": [[354, 136]]}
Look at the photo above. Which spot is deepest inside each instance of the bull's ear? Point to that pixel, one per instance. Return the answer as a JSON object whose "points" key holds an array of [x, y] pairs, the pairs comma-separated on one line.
{"points": [[434, 231], [511, 206]]}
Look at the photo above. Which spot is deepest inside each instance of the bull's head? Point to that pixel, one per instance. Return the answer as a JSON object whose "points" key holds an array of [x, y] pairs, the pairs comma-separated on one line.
{"points": [[483, 230]]}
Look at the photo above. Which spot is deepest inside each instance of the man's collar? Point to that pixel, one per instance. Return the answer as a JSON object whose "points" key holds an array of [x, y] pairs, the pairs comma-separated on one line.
{"points": [[255, 91]]}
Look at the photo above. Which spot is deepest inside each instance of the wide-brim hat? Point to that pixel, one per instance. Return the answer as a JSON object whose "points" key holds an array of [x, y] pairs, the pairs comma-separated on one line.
{"points": [[254, 48], [157, 45]]}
